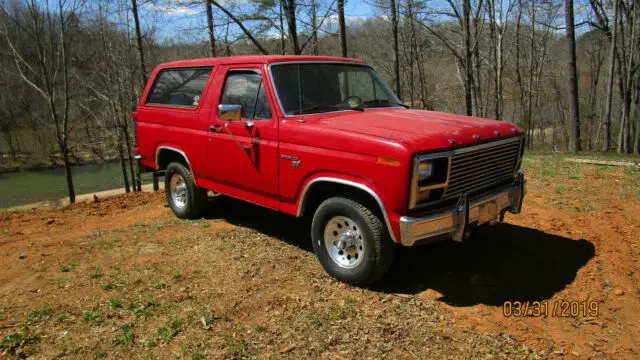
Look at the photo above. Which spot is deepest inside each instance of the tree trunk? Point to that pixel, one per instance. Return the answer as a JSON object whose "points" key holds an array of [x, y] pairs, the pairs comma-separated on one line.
{"points": [[636, 115], [212, 38], [468, 60], [136, 20], [314, 27], [574, 118], [68, 176], [123, 165], [343, 31], [606, 145], [396, 50], [290, 14], [283, 49], [519, 76]]}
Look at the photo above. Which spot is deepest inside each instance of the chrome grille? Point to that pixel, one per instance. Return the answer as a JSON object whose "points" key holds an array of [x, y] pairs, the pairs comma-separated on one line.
{"points": [[476, 169]]}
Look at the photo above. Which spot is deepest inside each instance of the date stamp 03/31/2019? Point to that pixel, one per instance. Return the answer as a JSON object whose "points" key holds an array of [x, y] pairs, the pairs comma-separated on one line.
{"points": [[556, 308]]}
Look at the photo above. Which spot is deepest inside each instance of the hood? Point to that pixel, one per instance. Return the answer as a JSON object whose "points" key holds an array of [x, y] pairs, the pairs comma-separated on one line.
{"points": [[421, 130]]}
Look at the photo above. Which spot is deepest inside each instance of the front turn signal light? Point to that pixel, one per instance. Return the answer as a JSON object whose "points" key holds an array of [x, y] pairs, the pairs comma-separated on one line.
{"points": [[388, 161]]}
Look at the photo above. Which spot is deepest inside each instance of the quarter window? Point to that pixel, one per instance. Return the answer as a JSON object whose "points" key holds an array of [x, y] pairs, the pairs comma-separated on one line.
{"points": [[179, 87], [245, 88]]}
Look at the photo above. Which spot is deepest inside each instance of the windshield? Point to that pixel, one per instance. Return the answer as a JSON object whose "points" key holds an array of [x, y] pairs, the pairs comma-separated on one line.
{"points": [[306, 88]]}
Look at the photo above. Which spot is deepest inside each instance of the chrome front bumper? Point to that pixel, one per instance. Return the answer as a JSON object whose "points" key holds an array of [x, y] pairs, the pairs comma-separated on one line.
{"points": [[455, 221]]}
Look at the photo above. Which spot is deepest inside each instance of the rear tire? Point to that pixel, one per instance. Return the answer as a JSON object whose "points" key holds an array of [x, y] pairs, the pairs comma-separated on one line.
{"points": [[351, 242], [185, 198]]}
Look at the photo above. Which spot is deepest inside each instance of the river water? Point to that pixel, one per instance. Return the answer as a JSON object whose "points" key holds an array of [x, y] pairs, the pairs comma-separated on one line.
{"points": [[19, 188]]}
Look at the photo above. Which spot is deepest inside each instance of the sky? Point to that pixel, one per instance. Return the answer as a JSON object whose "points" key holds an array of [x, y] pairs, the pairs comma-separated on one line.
{"points": [[177, 21], [173, 18]]}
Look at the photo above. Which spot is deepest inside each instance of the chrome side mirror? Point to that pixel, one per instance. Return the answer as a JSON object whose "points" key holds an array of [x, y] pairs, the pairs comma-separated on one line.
{"points": [[229, 112]]}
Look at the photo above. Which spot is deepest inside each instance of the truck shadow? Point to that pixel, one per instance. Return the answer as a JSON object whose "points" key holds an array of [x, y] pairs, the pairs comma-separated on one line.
{"points": [[502, 263], [272, 223]]}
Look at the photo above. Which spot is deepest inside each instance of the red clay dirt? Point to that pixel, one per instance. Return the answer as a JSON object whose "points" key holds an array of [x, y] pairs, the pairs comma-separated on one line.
{"points": [[243, 282]]}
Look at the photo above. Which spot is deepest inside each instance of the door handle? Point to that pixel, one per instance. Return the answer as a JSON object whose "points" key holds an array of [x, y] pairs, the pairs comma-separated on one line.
{"points": [[215, 128]]}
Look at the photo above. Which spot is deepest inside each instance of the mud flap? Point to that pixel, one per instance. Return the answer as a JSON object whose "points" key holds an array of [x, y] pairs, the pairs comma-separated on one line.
{"points": [[461, 218]]}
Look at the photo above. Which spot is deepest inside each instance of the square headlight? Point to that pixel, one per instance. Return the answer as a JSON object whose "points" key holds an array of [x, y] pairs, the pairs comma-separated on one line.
{"points": [[425, 170]]}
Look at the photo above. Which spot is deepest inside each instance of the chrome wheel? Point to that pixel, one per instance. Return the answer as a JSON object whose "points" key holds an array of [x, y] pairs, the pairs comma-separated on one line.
{"points": [[343, 241], [178, 189]]}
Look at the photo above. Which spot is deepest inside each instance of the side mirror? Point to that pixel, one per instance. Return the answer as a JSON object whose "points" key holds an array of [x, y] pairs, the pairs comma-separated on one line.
{"points": [[229, 112]]}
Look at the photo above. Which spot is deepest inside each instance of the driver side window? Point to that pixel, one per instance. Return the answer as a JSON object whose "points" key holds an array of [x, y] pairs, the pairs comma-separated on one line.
{"points": [[246, 88]]}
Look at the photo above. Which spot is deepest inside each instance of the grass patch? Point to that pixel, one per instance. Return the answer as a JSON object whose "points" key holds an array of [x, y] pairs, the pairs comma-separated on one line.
{"points": [[145, 267], [142, 310], [61, 317], [203, 223], [177, 275], [126, 338], [115, 304], [91, 316], [151, 342], [167, 333], [160, 285], [39, 315], [260, 329], [96, 274], [343, 312], [14, 344], [176, 323], [68, 268], [107, 243], [109, 287], [236, 348]]}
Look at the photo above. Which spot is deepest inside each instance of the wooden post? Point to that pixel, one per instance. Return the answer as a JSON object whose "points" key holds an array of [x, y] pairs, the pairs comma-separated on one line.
{"points": [[156, 186]]}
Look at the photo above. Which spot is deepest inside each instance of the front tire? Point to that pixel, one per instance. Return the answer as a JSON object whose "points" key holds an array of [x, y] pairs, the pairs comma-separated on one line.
{"points": [[351, 242], [185, 198]]}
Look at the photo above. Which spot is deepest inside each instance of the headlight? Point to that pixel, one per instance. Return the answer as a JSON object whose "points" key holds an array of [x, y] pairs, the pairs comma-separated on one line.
{"points": [[429, 178], [425, 170]]}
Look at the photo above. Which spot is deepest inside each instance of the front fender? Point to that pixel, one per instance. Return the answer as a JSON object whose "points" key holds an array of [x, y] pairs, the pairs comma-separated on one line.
{"points": [[390, 216]]}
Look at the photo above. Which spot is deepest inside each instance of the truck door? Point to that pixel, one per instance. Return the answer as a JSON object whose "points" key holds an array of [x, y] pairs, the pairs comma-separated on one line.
{"points": [[243, 155]]}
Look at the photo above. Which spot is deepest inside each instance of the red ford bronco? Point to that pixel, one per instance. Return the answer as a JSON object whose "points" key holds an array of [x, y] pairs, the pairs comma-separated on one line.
{"points": [[326, 137]]}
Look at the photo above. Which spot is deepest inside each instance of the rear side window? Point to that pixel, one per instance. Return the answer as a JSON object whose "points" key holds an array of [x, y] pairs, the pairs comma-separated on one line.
{"points": [[179, 87]]}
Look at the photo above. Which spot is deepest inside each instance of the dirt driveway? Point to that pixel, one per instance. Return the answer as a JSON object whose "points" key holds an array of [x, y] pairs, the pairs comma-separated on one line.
{"points": [[123, 278]]}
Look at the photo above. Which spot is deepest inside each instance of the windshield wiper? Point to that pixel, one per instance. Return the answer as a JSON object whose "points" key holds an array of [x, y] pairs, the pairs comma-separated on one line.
{"points": [[327, 108], [385, 102]]}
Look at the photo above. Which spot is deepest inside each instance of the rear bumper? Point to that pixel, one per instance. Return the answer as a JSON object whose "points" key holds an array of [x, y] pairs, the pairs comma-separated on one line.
{"points": [[455, 221]]}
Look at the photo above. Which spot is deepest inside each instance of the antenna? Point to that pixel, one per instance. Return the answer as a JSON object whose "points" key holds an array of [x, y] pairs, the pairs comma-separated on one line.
{"points": [[299, 93]]}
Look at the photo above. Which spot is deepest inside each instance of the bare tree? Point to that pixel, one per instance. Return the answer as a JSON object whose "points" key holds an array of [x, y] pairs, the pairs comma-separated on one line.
{"points": [[49, 30], [606, 145], [396, 49], [498, 25], [574, 119], [136, 20], [314, 28], [241, 26], [343, 30], [212, 38], [290, 7]]}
